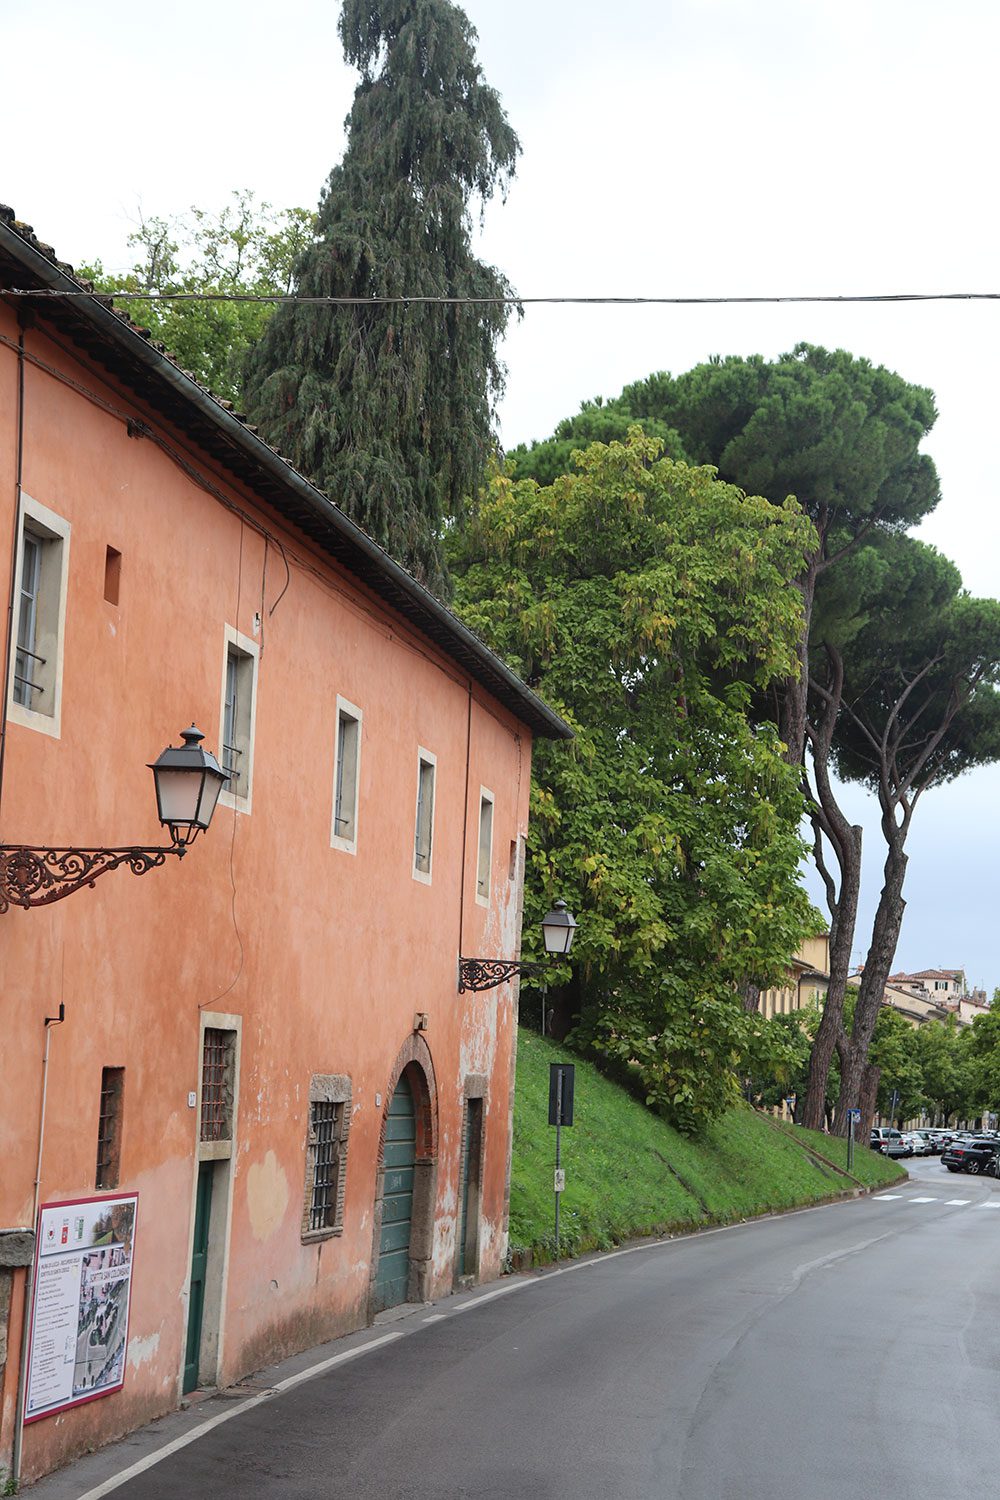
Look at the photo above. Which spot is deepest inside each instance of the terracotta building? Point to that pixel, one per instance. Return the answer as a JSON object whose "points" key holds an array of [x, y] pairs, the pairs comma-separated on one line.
{"points": [[269, 1112]]}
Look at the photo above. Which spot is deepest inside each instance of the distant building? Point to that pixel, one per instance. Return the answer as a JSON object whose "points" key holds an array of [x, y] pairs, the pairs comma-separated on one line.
{"points": [[808, 979], [933, 995]]}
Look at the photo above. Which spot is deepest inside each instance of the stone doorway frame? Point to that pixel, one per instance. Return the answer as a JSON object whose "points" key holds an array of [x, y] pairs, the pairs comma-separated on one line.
{"points": [[413, 1059]]}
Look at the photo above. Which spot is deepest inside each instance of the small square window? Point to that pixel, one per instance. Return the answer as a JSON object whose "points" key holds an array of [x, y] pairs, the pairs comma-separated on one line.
{"points": [[346, 777], [35, 687], [239, 693], [485, 862], [423, 846]]}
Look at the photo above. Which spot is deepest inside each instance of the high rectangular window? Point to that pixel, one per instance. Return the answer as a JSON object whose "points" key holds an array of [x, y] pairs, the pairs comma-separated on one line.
{"points": [[239, 693], [109, 1128], [326, 1155], [218, 1059], [346, 778], [423, 844], [485, 862], [35, 688]]}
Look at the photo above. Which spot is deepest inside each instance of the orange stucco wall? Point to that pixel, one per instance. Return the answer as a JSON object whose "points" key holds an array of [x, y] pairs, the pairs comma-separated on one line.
{"points": [[323, 956]]}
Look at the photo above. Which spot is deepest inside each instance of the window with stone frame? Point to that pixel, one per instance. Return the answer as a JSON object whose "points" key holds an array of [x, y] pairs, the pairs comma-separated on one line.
{"points": [[326, 1156]]}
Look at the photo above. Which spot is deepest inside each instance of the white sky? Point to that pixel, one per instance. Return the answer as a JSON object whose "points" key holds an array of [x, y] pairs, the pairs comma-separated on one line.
{"points": [[671, 147]]}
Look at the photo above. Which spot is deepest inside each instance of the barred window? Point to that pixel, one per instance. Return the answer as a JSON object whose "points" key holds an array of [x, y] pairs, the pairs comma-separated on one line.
{"points": [[109, 1128], [326, 1155], [326, 1164], [217, 1059]]}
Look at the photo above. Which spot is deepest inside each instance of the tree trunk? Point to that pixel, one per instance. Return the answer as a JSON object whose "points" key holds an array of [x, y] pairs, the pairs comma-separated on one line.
{"points": [[795, 689], [750, 996], [867, 1101], [832, 1021], [878, 966]]}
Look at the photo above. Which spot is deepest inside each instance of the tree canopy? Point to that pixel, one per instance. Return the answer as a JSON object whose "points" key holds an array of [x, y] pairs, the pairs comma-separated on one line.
{"points": [[389, 408], [648, 600], [248, 248]]}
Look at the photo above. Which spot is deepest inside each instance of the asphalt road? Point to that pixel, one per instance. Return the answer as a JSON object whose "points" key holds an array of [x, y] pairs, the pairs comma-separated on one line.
{"points": [[845, 1353]]}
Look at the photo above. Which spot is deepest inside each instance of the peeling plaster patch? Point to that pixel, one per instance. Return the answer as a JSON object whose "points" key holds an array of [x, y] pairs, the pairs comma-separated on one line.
{"points": [[267, 1196], [141, 1350]]}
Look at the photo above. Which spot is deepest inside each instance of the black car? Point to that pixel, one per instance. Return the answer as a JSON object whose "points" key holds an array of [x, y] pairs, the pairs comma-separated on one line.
{"points": [[978, 1154]]}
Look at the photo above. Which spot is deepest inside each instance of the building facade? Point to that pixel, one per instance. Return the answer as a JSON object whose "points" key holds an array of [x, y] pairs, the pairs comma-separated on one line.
{"points": [[261, 1046], [806, 985]]}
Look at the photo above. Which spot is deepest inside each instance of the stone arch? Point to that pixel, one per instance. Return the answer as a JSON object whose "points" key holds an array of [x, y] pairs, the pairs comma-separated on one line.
{"points": [[414, 1060]]}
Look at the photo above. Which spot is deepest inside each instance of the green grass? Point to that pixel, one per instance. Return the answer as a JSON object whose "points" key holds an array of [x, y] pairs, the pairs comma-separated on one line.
{"points": [[629, 1174]]}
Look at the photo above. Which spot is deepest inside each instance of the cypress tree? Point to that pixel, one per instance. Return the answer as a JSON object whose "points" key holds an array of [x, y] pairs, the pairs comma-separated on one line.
{"points": [[389, 409]]}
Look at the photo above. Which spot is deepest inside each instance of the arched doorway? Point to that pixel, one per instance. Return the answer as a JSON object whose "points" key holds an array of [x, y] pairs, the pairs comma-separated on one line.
{"points": [[405, 1183]]}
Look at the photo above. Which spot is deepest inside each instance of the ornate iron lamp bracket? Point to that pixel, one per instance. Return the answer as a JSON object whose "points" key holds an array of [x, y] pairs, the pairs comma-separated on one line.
{"points": [[487, 973], [35, 877]]}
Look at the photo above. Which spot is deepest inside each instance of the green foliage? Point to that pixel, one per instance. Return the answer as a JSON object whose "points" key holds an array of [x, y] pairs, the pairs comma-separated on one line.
{"points": [[389, 409], [838, 433], [629, 1173], [249, 248], [647, 601]]}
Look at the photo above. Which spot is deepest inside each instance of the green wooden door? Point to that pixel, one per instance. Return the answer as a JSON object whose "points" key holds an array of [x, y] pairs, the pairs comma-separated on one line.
{"points": [[199, 1260], [393, 1276]]}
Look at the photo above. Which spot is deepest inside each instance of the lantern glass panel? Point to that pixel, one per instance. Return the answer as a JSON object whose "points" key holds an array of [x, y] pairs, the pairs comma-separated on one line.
{"points": [[178, 794]]}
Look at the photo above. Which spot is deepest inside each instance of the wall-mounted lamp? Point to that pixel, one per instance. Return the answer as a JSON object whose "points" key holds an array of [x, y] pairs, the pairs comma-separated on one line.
{"points": [[558, 931], [188, 781]]}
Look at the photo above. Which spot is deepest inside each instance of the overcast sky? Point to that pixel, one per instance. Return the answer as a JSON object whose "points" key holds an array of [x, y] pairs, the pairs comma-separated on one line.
{"points": [[670, 147]]}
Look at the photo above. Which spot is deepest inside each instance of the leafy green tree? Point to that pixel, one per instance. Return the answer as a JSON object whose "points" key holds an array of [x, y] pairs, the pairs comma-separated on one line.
{"points": [[389, 408], [248, 249], [648, 601], [843, 437], [983, 1045], [895, 1052], [945, 1060]]}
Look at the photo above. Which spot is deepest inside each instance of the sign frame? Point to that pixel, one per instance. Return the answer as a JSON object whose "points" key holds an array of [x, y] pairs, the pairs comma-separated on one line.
{"points": [[79, 1210]]}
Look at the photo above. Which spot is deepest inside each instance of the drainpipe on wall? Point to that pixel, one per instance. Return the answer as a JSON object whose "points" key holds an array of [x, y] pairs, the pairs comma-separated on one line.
{"points": [[29, 1275]]}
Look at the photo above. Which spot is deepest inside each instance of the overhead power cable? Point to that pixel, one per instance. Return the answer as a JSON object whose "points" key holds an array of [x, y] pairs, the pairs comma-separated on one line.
{"points": [[511, 301]]}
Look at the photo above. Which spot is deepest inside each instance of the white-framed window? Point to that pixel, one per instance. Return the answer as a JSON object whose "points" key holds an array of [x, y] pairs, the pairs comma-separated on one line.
{"points": [[484, 866], [239, 712], [40, 581], [346, 777], [423, 839]]}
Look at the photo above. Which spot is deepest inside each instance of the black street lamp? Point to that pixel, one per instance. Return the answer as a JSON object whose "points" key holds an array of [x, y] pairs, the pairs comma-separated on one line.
{"points": [[188, 781], [558, 931]]}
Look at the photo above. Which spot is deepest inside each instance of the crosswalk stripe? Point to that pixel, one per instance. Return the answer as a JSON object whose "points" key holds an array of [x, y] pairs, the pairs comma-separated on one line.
{"points": [[989, 1205], [923, 1200], [957, 1202], [888, 1197]]}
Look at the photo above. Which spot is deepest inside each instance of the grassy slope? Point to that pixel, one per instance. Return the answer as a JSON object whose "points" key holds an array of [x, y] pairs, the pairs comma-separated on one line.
{"points": [[628, 1173]]}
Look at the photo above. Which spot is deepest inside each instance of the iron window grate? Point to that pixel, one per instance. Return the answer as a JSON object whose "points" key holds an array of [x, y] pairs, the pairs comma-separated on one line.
{"points": [[216, 1085], [109, 1128], [325, 1119]]}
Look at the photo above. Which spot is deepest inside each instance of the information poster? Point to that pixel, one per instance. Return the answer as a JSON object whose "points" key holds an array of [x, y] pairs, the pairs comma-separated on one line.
{"points": [[79, 1317]]}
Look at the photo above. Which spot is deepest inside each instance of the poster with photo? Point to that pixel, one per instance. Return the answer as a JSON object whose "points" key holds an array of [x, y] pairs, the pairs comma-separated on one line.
{"points": [[80, 1306]]}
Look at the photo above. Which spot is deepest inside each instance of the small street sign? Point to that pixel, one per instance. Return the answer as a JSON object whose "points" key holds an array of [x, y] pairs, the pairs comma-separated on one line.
{"points": [[854, 1114], [561, 1076], [560, 1180]]}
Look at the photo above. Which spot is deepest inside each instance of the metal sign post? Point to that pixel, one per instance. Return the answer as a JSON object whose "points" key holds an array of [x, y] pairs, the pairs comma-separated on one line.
{"points": [[892, 1106], [853, 1115], [561, 1078]]}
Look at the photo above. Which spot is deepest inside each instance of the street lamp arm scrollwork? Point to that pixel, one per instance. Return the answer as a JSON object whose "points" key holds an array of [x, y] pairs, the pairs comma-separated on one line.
{"points": [[188, 781], [558, 931], [36, 877]]}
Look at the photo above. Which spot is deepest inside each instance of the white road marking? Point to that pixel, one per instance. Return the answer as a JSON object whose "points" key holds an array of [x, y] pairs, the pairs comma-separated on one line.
{"points": [[923, 1200], [957, 1202], [886, 1197], [142, 1464], [994, 1204], [434, 1318]]}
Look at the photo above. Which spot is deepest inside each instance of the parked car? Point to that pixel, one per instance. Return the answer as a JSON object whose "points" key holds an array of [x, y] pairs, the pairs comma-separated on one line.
{"points": [[919, 1144], [973, 1155], [889, 1142]]}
